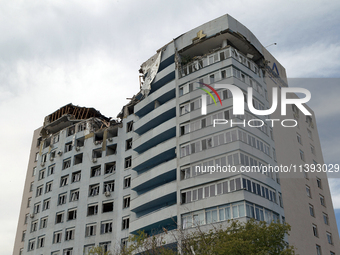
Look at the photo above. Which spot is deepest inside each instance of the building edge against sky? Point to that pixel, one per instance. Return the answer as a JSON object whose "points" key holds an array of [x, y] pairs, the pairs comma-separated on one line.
{"points": [[93, 180]]}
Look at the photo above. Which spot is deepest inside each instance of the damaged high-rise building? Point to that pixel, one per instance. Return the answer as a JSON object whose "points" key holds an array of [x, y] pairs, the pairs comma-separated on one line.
{"points": [[92, 180]]}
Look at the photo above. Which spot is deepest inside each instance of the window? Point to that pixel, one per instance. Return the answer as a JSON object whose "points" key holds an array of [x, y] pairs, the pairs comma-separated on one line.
{"points": [[63, 181], [59, 217], [329, 238], [124, 242], [62, 199], [305, 173], [126, 202], [46, 204], [56, 138], [78, 159], [93, 190], [41, 174], [31, 186], [308, 191], [125, 223], [80, 143], [302, 155], [106, 227], [26, 218], [43, 159], [52, 155], [68, 147], [29, 202], [322, 200], [92, 209], [23, 236], [57, 237], [51, 170], [95, 171], [22, 251], [127, 181], [36, 157], [37, 208], [66, 163], [111, 149], [129, 126], [107, 206], [71, 130], [72, 214], [110, 167], [318, 182], [90, 230], [325, 218], [76, 176], [68, 251], [39, 190], [280, 199], [74, 195], [105, 246], [34, 171], [69, 234], [332, 253], [311, 210], [299, 139], [34, 225], [315, 230], [41, 241], [97, 153], [81, 126], [48, 187], [43, 222], [309, 134], [128, 144], [31, 244], [109, 186], [312, 149], [127, 162]]}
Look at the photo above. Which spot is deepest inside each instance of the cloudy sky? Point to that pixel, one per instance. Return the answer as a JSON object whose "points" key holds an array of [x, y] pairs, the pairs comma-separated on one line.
{"points": [[89, 52]]}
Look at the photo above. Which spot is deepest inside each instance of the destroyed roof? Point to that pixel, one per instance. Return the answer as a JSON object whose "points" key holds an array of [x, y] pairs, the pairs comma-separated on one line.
{"points": [[68, 115]]}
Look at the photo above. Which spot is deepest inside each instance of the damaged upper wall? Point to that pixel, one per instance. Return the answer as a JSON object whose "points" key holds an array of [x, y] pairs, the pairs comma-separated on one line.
{"points": [[69, 115]]}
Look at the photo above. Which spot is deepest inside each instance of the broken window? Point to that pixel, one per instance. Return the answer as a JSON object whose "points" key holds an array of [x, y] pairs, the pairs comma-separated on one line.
{"points": [[126, 202], [62, 199], [130, 109], [38, 141], [48, 187], [55, 138], [66, 163], [125, 223], [47, 142], [127, 162], [110, 167], [74, 195], [95, 171], [94, 190], [76, 176], [43, 159], [129, 126], [113, 132], [72, 214], [81, 126], [128, 144], [78, 159], [52, 155], [71, 131], [63, 180], [127, 181], [80, 142], [97, 153], [92, 209], [106, 227], [90, 230], [98, 138], [59, 217], [111, 149], [109, 186], [68, 146], [107, 206]]}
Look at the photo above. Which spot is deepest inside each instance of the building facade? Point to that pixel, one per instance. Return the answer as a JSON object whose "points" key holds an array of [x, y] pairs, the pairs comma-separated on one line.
{"points": [[164, 164]]}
